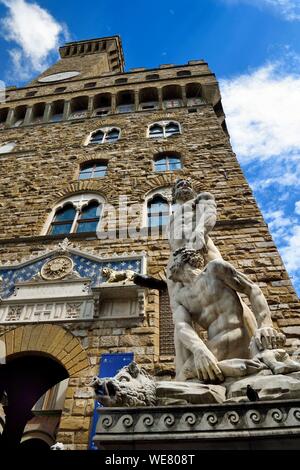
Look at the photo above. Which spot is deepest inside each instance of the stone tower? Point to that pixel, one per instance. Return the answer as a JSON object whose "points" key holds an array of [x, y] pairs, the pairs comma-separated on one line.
{"points": [[83, 148]]}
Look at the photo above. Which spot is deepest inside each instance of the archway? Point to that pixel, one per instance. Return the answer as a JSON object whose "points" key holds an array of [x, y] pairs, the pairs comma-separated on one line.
{"points": [[26, 378]]}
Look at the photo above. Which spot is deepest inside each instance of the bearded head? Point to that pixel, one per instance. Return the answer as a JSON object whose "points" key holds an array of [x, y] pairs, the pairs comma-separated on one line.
{"points": [[183, 191], [186, 257]]}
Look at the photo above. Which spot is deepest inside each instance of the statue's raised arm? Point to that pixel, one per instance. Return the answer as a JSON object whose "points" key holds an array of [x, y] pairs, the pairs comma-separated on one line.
{"points": [[193, 218]]}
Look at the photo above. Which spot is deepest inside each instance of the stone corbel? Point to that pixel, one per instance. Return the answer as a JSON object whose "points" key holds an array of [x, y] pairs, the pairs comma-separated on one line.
{"points": [[118, 291]]}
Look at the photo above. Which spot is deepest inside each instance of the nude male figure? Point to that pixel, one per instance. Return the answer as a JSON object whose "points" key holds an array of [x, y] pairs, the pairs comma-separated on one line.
{"points": [[207, 295], [193, 218]]}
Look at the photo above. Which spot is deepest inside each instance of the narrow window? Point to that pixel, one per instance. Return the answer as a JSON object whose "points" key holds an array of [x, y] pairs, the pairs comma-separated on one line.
{"points": [[93, 170], [164, 129], [90, 85], [156, 131], [153, 76], [112, 135], [30, 93], [105, 135], [63, 220], [168, 163], [97, 138], [184, 73], [119, 81], [60, 89], [158, 212], [89, 218], [171, 129]]}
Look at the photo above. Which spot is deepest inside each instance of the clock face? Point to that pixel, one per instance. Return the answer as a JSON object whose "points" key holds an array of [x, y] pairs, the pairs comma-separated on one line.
{"points": [[56, 77]]}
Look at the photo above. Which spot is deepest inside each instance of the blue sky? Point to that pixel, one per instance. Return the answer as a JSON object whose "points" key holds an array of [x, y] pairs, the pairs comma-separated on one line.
{"points": [[253, 46]]}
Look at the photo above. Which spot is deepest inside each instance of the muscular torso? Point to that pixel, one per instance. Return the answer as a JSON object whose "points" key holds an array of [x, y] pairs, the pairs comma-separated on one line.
{"points": [[191, 222], [217, 309], [182, 224]]}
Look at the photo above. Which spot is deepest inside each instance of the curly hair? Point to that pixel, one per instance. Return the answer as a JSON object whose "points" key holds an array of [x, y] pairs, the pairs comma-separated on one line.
{"points": [[194, 257], [175, 187]]}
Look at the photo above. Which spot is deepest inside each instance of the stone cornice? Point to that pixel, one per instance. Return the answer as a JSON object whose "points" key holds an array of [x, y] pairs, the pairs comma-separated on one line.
{"points": [[187, 424]]}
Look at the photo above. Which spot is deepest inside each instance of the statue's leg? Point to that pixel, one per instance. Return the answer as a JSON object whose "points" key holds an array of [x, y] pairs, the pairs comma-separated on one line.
{"points": [[277, 360]]}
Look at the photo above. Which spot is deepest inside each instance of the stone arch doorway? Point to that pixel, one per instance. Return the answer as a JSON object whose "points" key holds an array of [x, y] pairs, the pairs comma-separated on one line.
{"points": [[37, 358], [27, 378]]}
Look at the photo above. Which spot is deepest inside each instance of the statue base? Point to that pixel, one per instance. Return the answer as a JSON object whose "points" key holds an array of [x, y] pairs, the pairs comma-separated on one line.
{"points": [[253, 425]]}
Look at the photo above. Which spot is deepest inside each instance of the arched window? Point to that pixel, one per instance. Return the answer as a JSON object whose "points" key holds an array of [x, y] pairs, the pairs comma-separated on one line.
{"points": [[78, 214], [172, 128], [105, 135], [63, 220], [88, 218], [167, 162], [163, 129], [94, 169], [156, 130], [158, 212]]}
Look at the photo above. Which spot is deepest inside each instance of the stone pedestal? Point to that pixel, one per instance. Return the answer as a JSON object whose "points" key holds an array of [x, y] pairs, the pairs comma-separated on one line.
{"points": [[259, 425]]}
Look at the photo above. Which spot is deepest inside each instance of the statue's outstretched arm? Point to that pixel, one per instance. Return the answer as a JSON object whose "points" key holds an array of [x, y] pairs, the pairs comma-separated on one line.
{"points": [[205, 219]]}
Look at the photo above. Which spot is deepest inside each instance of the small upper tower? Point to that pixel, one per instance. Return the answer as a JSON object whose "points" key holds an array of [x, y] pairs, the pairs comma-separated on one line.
{"points": [[84, 59]]}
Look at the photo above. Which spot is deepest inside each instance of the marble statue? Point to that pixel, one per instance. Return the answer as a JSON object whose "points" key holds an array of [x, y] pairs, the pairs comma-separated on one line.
{"points": [[205, 290], [242, 348], [207, 295], [134, 387], [131, 386]]}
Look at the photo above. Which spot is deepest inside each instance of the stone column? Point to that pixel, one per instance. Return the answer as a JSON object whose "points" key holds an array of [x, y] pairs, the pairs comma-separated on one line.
{"points": [[47, 112], [10, 118], [160, 100], [183, 93], [28, 116], [136, 100], [67, 110], [90, 105], [113, 104]]}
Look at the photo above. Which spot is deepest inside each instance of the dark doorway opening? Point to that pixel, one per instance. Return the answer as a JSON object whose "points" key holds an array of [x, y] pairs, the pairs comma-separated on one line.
{"points": [[25, 378]]}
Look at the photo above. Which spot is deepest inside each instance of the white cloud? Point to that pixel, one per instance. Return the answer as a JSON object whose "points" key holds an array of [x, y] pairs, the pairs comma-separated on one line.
{"points": [[297, 209], [286, 233], [36, 35], [288, 9], [279, 224], [262, 109], [262, 116], [290, 253], [282, 173]]}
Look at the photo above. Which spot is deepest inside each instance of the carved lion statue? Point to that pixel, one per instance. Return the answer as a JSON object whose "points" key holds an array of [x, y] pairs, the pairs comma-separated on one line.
{"points": [[111, 275], [131, 387]]}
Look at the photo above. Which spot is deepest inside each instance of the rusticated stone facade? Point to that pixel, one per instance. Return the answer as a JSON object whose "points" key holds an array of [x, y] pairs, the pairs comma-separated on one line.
{"points": [[43, 169]]}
